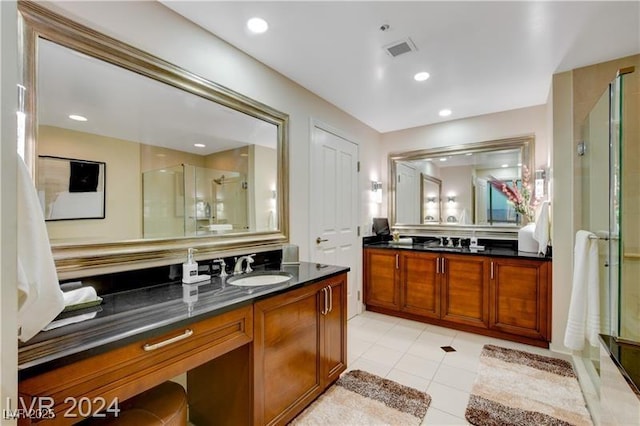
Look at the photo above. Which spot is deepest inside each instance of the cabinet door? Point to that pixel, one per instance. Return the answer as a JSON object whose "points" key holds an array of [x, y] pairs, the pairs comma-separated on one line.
{"points": [[465, 289], [334, 329], [381, 288], [287, 373], [419, 283], [520, 297]]}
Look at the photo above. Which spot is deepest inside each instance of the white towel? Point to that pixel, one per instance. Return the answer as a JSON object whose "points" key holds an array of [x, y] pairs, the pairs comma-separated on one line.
{"points": [[40, 299], [541, 234], [79, 295], [70, 320], [584, 308]]}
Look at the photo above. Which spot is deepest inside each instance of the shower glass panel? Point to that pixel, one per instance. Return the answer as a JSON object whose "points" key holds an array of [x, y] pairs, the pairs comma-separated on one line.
{"points": [[610, 174], [187, 200]]}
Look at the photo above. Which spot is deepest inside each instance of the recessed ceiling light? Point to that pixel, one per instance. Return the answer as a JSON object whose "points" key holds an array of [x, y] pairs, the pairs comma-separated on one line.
{"points": [[519, 164], [77, 117], [505, 165], [443, 159], [199, 145], [421, 76], [444, 112], [257, 25], [469, 153]]}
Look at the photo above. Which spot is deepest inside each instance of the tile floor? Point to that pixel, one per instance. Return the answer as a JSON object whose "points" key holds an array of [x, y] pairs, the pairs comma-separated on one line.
{"points": [[410, 353]]}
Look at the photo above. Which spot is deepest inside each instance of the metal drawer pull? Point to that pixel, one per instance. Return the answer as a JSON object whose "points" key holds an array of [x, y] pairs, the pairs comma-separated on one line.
{"points": [[187, 333], [326, 303], [492, 269], [330, 298], [438, 265], [443, 271], [397, 261]]}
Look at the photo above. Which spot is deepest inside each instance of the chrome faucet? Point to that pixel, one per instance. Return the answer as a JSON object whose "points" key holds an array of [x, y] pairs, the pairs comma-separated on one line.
{"points": [[223, 272], [237, 269]]}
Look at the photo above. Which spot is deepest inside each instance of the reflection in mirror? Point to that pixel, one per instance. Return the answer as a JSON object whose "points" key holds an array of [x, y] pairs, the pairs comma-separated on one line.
{"points": [[451, 185], [430, 190], [179, 164]]}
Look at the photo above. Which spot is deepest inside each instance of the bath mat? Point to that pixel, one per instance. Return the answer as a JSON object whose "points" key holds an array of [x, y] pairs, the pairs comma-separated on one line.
{"points": [[519, 388], [361, 398]]}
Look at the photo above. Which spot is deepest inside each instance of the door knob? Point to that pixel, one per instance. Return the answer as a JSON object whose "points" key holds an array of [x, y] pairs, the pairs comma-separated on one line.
{"points": [[320, 240]]}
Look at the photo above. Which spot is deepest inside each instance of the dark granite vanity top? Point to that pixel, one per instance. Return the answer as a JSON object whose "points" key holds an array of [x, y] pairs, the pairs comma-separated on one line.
{"points": [[626, 357], [128, 316], [491, 248]]}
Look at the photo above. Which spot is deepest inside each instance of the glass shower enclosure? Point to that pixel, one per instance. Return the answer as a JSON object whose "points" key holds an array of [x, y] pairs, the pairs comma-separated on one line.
{"points": [[610, 178], [186, 200]]}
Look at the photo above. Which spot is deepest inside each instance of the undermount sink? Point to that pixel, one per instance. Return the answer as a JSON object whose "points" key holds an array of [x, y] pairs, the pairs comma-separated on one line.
{"points": [[256, 279]]}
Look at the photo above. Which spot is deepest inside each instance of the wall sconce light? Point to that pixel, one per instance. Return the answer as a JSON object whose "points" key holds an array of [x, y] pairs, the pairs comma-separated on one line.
{"points": [[376, 189], [431, 199], [451, 199]]}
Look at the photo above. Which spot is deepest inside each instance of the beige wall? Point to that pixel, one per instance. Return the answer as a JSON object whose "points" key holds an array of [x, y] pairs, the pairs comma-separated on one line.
{"points": [[123, 214], [156, 157], [574, 94]]}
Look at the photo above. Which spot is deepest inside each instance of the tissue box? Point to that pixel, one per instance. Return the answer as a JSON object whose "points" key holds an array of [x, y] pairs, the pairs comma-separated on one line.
{"points": [[526, 242]]}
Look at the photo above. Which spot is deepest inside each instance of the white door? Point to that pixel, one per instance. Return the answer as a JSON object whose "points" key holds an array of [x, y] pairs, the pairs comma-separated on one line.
{"points": [[407, 195], [334, 206]]}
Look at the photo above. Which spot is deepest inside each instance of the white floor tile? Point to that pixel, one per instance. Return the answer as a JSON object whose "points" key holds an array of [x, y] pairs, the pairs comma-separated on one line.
{"points": [[357, 346], [364, 332], [357, 320], [417, 366], [427, 350], [369, 366], [407, 379], [455, 377], [437, 417], [382, 355], [395, 341], [462, 360], [441, 330], [447, 399], [435, 339]]}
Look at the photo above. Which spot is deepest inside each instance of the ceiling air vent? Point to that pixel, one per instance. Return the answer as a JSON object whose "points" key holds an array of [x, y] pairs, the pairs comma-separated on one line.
{"points": [[400, 47]]}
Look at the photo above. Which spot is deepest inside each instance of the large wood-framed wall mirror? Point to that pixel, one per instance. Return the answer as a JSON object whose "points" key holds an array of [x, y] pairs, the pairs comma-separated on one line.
{"points": [[190, 163], [446, 190]]}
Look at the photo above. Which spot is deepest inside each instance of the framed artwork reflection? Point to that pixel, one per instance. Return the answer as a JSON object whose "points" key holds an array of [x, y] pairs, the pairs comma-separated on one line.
{"points": [[70, 188]]}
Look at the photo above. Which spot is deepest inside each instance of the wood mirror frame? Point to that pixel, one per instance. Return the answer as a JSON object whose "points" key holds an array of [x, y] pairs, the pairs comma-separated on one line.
{"points": [[78, 260]]}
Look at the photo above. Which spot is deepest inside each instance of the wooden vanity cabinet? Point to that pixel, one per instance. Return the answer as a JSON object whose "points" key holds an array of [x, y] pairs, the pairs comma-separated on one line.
{"points": [[520, 293], [299, 348], [465, 289], [503, 297], [420, 283], [381, 278]]}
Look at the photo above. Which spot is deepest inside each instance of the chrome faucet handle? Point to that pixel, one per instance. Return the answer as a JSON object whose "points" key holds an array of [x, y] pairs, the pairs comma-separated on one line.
{"points": [[223, 265], [249, 262]]}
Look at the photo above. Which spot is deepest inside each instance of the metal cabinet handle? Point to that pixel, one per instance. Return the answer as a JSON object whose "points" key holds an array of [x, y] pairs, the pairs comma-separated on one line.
{"points": [[187, 333], [492, 269], [443, 263], [397, 261], [437, 265], [330, 298], [320, 240], [326, 303]]}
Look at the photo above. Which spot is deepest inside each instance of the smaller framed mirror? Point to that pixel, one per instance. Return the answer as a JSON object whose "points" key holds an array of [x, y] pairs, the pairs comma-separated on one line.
{"points": [[70, 188]]}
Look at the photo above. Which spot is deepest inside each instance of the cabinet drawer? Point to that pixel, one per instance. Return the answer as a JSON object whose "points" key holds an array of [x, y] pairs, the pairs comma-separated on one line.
{"points": [[127, 371]]}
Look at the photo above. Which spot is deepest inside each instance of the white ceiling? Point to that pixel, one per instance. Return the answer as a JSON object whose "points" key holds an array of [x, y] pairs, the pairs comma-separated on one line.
{"points": [[483, 57]]}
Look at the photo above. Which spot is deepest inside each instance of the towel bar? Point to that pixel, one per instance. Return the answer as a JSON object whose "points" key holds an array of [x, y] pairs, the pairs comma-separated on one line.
{"points": [[607, 238]]}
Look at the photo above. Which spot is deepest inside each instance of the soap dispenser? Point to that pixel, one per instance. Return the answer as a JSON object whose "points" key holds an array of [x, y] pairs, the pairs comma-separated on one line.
{"points": [[189, 268]]}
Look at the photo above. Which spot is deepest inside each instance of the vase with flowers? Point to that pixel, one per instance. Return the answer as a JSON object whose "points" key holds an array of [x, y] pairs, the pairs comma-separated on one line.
{"points": [[521, 199]]}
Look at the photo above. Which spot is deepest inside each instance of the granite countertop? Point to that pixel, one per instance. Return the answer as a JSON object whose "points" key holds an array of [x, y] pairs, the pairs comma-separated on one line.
{"points": [[626, 357], [129, 316], [435, 247]]}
